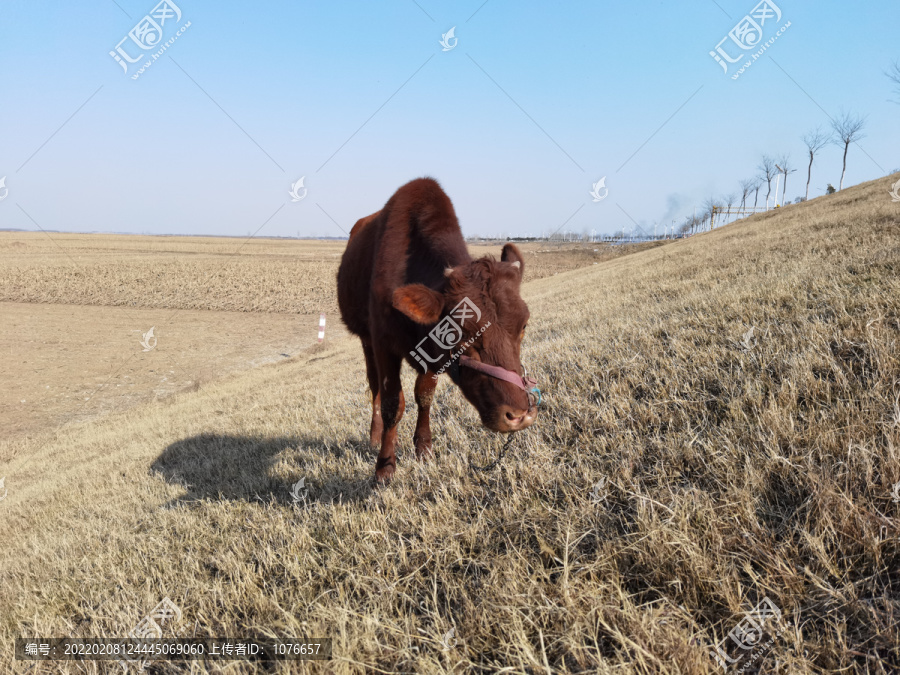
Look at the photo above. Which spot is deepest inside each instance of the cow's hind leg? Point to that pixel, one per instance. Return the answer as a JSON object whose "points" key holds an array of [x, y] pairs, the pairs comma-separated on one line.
{"points": [[376, 428], [425, 385], [392, 404]]}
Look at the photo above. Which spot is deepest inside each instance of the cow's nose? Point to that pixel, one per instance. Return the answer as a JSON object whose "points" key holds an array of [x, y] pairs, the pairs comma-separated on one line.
{"points": [[517, 419]]}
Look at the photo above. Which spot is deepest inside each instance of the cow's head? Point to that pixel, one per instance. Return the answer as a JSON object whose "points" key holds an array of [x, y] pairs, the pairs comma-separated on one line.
{"points": [[495, 339]]}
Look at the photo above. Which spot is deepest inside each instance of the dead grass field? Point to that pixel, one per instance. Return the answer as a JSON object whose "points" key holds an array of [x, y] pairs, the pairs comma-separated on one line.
{"points": [[679, 472], [285, 277], [280, 276]]}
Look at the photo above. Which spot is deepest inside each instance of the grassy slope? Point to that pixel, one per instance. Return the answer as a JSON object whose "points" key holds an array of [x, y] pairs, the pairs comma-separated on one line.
{"points": [[731, 474]]}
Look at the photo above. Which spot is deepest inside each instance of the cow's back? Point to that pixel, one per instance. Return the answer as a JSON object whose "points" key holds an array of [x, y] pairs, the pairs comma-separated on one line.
{"points": [[411, 240]]}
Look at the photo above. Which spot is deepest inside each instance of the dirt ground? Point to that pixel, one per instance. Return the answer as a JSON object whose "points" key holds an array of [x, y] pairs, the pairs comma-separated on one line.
{"points": [[68, 363]]}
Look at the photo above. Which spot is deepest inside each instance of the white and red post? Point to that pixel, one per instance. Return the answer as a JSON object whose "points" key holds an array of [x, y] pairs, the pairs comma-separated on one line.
{"points": [[321, 327]]}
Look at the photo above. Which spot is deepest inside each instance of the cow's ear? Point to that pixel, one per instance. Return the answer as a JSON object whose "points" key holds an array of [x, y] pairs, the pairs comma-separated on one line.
{"points": [[419, 303], [512, 254]]}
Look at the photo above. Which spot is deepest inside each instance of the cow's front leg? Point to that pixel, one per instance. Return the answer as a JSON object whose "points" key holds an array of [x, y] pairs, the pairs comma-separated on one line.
{"points": [[425, 385], [392, 404]]}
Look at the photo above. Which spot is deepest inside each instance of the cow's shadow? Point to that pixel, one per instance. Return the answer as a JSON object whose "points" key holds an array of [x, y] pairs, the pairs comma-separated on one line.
{"points": [[220, 467]]}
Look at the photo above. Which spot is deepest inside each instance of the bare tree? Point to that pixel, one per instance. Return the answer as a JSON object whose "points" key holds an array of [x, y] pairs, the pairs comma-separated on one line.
{"points": [[767, 166], [690, 224], [729, 200], [757, 183], [710, 206], [784, 166], [893, 74], [708, 210], [815, 141], [847, 129], [746, 189]]}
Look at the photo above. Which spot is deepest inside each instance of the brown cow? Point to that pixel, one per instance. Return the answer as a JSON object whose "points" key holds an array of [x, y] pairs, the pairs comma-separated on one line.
{"points": [[406, 286]]}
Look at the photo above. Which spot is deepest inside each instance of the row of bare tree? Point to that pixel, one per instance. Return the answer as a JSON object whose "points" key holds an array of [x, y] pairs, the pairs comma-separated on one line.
{"points": [[846, 128]]}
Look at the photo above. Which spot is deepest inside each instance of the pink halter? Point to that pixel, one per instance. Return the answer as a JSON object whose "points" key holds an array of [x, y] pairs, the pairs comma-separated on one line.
{"points": [[523, 382]]}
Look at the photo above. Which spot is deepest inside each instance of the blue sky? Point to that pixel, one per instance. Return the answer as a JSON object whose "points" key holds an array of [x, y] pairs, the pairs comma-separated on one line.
{"points": [[534, 103]]}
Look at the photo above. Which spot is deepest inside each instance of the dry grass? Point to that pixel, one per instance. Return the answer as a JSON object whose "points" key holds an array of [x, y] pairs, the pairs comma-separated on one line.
{"points": [[268, 275], [733, 472], [276, 277]]}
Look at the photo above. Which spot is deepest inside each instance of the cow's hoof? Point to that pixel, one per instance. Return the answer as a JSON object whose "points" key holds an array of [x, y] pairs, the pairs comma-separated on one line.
{"points": [[384, 477], [384, 470], [423, 447]]}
